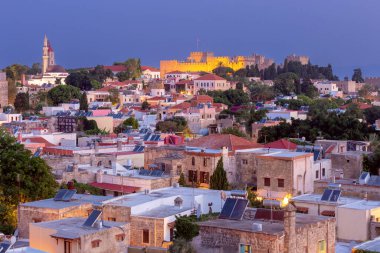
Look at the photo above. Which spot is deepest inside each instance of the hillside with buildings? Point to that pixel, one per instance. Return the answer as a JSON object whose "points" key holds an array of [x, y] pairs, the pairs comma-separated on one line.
{"points": [[208, 154]]}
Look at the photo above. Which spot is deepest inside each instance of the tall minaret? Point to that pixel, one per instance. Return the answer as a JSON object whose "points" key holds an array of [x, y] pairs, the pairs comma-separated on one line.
{"points": [[45, 55]]}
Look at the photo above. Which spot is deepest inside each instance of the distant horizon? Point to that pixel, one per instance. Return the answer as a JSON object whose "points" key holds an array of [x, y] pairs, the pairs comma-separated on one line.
{"points": [[85, 34]]}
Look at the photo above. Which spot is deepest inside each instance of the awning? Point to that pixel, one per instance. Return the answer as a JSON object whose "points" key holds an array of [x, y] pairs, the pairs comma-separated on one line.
{"points": [[302, 209], [328, 213], [115, 187]]}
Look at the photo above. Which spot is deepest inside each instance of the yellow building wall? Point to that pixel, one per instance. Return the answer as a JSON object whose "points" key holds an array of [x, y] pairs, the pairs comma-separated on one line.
{"points": [[208, 66], [104, 122], [40, 239]]}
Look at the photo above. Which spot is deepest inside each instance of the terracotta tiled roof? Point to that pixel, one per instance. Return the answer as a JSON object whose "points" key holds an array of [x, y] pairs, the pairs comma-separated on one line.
{"points": [[203, 98], [210, 77], [157, 98], [143, 68], [115, 187], [281, 144], [218, 141], [37, 139], [181, 106], [105, 88], [362, 106]]}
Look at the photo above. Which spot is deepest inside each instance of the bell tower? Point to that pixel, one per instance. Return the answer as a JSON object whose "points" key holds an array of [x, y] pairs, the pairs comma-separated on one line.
{"points": [[45, 55]]}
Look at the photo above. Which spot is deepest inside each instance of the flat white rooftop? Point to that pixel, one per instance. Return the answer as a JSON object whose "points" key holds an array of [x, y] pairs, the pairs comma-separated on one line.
{"points": [[186, 193], [316, 199], [363, 205]]}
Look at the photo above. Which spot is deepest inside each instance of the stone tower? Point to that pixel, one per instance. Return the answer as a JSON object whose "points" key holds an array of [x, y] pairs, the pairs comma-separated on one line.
{"points": [[290, 229], [3, 91], [51, 55], [45, 55]]}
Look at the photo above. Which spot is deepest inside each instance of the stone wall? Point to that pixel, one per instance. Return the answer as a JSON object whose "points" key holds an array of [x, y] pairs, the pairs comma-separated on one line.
{"points": [[119, 213], [275, 169], [3, 91], [246, 168], [351, 164], [83, 177], [203, 162], [309, 235], [229, 240], [152, 153], [108, 242], [155, 227], [28, 215]]}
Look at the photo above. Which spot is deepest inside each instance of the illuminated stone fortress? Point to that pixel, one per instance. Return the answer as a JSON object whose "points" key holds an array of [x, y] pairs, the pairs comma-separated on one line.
{"points": [[207, 62]]}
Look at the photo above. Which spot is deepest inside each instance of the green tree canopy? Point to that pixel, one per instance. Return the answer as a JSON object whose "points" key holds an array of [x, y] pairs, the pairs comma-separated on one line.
{"points": [[224, 72], [79, 80], [145, 106], [133, 69], [22, 102], [175, 124], [372, 114], [228, 97], [34, 70], [218, 180], [234, 131], [261, 92], [287, 83], [185, 228], [181, 179], [63, 94], [85, 79], [130, 122], [114, 95], [23, 177]]}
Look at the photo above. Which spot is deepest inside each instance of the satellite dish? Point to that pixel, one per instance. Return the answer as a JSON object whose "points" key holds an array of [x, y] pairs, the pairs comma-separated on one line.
{"points": [[13, 240]]}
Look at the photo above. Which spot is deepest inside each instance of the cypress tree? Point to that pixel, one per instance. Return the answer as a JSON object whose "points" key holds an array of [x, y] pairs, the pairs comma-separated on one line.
{"points": [[181, 179], [83, 105], [218, 180]]}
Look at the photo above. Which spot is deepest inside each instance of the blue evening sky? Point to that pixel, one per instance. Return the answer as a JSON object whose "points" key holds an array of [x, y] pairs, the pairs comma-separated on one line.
{"points": [[345, 33]]}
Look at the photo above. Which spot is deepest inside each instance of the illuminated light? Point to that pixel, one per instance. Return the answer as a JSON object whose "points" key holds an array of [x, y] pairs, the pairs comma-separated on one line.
{"points": [[285, 201], [259, 198]]}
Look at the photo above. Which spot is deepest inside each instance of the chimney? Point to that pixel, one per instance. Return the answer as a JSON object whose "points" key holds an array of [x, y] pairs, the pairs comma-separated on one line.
{"points": [[75, 168], [119, 145], [92, 160], [290, 229], [96, 147], [99, 176], [76, 158]]}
